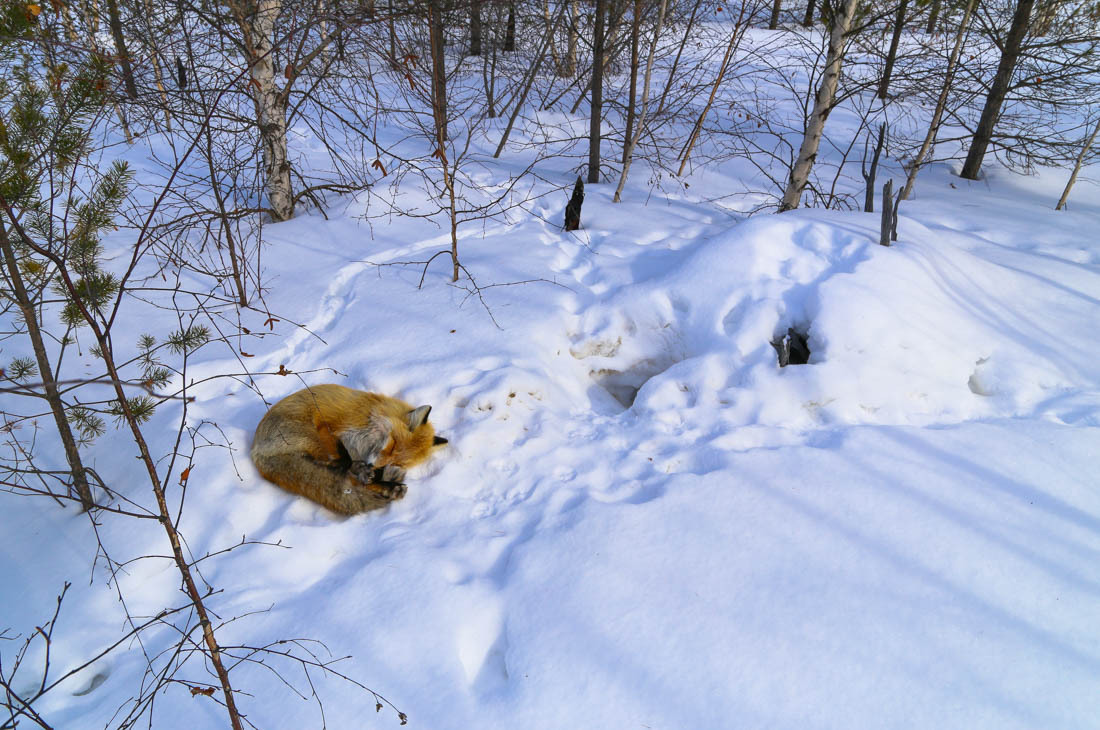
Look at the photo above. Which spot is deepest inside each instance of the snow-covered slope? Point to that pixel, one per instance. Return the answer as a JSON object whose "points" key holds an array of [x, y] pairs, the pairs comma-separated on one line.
{"points": [[902, 533], [641, 521]]}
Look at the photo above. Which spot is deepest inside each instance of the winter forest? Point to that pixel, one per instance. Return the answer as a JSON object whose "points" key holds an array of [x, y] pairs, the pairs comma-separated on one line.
{"points": [[758, 338]]}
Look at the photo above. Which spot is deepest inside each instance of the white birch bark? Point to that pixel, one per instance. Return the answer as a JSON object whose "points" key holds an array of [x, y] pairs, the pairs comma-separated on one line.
{"points": [[823, 104], [257, 22]]}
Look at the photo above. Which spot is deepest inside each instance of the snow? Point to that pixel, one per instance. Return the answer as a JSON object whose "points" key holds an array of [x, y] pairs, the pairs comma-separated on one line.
{"points": [[641, 521]]}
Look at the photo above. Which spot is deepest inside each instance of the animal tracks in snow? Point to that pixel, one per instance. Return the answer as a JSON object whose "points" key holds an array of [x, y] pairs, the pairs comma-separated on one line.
{"points": [[670, 343], [656, 368]]}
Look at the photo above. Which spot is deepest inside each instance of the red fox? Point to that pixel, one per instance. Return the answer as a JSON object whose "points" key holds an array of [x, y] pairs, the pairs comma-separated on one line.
{"points": [[345, 449]]}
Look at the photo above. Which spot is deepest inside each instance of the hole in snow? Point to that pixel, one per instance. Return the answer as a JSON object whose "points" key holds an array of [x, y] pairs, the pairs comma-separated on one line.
{"points": [[793, 348], [623, 385]]}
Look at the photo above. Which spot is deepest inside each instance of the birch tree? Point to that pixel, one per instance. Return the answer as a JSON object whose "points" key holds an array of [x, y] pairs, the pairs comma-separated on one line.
{"points": [[823, 104], [256, 21], [269, 29]]}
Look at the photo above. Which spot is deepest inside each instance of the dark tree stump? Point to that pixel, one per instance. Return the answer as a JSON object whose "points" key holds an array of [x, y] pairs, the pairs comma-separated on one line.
{"points": [[573, 208]]}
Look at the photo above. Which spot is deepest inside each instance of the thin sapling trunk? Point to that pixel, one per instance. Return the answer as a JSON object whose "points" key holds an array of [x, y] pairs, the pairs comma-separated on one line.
{"points": [[941, 103], [823, 104], [632, 140], [1077, 166], [49, 385], [597, 94]]}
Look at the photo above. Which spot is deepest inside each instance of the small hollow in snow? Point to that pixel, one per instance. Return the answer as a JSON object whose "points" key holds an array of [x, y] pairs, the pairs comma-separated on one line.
{"points": [[623, 385]]}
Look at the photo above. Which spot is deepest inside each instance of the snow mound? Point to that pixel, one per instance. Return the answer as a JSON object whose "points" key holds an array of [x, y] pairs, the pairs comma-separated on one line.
{"points": [[641, 519]]}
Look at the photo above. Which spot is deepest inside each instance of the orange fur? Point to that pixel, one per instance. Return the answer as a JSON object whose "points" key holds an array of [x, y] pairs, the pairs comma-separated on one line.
{"points": [[323, 442]]}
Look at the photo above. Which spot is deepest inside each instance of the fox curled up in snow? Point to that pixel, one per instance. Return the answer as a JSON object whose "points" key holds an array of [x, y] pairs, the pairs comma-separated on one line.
{"points": [[343, 448]]}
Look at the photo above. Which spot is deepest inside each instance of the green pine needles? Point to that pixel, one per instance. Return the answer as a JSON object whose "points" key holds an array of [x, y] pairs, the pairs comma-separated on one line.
{"points": [[57, 203]]}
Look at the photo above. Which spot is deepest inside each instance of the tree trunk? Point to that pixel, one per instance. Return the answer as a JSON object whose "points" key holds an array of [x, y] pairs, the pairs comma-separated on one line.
{"points": [[49, 385], [154, 51], [257, 22], [489, 76], [632, 139], [510, 33], [115, 21], [777, 6], [1010, 53], [892, 54], [475, 28], [67, 21], [322, 24], [808, 18], [941, 103], [888, 225], [933, 16], [439, 72], [679, 52], [870, 175], [529, 79], [91, 21], [735, 35], [823, 104], [597, 93], [616, 9], [550, 31], [1077, 166], [1044, 18], [632, 93], [570, 68]]}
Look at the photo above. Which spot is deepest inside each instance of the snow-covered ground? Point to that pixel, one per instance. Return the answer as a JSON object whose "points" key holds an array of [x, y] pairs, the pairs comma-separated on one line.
{"points": [[641, 521]]}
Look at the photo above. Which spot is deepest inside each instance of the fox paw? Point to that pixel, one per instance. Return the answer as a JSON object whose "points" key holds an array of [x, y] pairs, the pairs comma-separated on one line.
{"points": [[385, 481], [389, 474], [389, 490], [362, 472]]}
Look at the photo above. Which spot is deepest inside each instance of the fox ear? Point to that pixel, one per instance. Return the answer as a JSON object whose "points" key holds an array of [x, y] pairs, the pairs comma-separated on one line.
{"points": [[417, 417], [439, 441]]}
